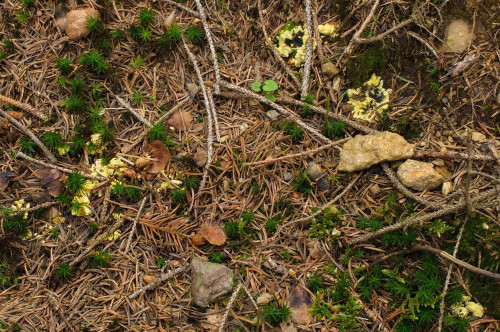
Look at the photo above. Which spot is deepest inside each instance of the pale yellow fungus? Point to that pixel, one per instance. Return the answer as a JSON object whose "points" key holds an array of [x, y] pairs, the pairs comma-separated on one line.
{"points": [[369, 100], [114, 236], [63, 150], [84, 206], [475, 309], [293, 40], [327, 29]]}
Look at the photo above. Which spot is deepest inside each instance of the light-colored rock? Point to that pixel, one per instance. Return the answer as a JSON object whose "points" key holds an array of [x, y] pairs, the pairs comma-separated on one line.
{"points": [[374, 189], [444, 172], [265, 298], [364, 151], [458, 36], [76, 22], [447, 188], [300, 302], [438, 162], [287, 176], [209, 281], [329, 69], [478, 137], [272, 114], [200, 158], [60, 16], [419, 175]]}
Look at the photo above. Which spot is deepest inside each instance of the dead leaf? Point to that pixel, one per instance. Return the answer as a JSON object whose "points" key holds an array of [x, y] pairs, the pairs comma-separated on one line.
{"points": [[198, 240], [180, 119], [300, 303], [50, 179], [14, 114], [5, 179], [169, 21], [213, 234], [142, 162], [129, 173], [158, 151], [147, 278]]}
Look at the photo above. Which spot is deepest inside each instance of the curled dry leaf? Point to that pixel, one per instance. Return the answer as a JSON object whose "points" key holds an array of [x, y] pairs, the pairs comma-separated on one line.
{"points": [[5, 179], [130, 173], [213, 234], [142, 162], [159, 152], [14, 114], [169, 21], [180, 119], [147, 278], [50, 179], [198, 240]]}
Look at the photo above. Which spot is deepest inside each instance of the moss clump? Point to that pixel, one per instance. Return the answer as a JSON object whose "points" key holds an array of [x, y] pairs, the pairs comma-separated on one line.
{"points": [[372, 60]]}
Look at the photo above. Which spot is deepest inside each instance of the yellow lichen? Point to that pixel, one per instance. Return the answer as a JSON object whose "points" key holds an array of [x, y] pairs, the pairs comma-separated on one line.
{"points": [[369, 100], [115, 166], [96, 144], [293, 40], [20, 205], [63, 150], [327, 29], [114, 236], [475, 309], [83, 204]]}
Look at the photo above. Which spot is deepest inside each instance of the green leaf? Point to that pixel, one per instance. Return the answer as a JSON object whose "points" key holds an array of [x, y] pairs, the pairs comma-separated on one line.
{"points": [[270, 85], [256, 86], [271, 97]]}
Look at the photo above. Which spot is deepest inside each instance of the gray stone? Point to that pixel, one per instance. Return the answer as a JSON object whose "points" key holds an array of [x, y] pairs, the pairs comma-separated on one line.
{"points": [[329, 69], [364, 151], [200, 158], [272, 114], [447, 188], [419, 175], [209, 281], [458, 36]]}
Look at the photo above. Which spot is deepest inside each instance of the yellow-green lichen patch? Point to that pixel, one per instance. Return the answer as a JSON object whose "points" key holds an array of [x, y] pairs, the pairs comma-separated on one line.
{"points": [[369, 100], [292, 44], [328, 30]]}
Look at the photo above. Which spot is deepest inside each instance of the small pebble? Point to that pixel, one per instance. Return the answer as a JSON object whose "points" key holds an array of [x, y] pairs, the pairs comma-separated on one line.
{"points": [[445, 100]]}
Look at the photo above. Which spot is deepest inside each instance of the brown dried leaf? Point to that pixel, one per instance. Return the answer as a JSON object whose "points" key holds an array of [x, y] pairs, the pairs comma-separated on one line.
{"points": [[147, 278], [142, 162], [300, 302], [169, 21], [159, 152], [14, 114], [50, 179], [5, 179], [129, 173], [180, 119], [213, 234], [198, 240]]}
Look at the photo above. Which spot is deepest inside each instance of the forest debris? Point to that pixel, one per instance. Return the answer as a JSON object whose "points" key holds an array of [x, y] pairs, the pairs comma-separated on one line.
{"points": [[5, 179], [180, 119], [76, 22], [209, 281], [159, 152], [300, 302], [50, 179], [209, 232], [459, 67]]}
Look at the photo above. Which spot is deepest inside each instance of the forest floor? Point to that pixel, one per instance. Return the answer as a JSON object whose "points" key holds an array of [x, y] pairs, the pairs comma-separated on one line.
{"points": [[127, 153]]}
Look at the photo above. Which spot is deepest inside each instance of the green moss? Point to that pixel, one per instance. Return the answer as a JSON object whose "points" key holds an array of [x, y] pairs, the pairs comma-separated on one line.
{"points": [[373, 60]]}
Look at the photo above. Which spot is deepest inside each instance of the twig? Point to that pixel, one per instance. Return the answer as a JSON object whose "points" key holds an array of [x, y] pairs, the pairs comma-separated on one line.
{"points": [[229, 305], [209, 115], [426, 43], [189, 10], [448, 276], [423, 218], [156, 282], [23, 106], [309, 49], [214, 116], [470, 208], [273, 49], [280, 109], [56, 306], [31, 135], [382, 35], [33, 208], [105, 204], [133, 111], [203, 19], [451, 155], [59, 168], [135, 223], [295, 155]]}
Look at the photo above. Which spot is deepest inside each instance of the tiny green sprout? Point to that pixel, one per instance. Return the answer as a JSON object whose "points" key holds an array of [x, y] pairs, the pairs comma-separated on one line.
{"points": [[100, 259], [94, 61], [306, 111], [106, 133], [256, 86], [334, 128], [315, 283], [392, 199], [309, 98], [157, 132], [271, 225], [8, 45], [93, 227], [118, 188], [63, 200], [270, 97], [64, 272], [133, 193], [162, 42], [217, 257], [94, 26], [194, 34], [232, 230], [75, 182], [286, 254], [248, 216], [64, 66], [191, 182], [74, 104], [179, 195], [434, 71], [52, 140], [28, 147], [117, 35], [270, 86], [21, 17], [160, 262], [275, 313], [454, 296], [78, 143], [174, 33], [146, 17], [61, 81], [77, 85], [16, 224], [54, 233], [303, 184], [27, 3], [137, 97], [2, 55], [96, 113], [294, 131], [146, 35], [138, 61], [435, 85], [135, 32]]}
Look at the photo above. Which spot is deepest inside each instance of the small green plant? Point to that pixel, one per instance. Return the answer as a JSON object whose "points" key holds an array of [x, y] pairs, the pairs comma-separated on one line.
{"points": [[118, 188], [100, 259], [372, 224], [64, 272], [435, 85], [94, 61], [63, 199], [137, 97], [54, 233], [145, 34], [28, 147], [117, 35], [21, 17], [160, 262], [232, 230], [324, 225], [93, 227], [6, 280], [75, 182], [138, 61], [315, 283], [27, 3], [271, 225], [157, 132], [179, 195], [2, 55], [52, 140], [275, 313], [174, 33], [16, 224], [439, 227], [294, 131], [77, 86], [96, 113], [74, 104], [191, 182], [334, 129], [302, 184], [146, 17], [94, 26], [248, 216], [269, 87], [135, 33], [133, 193], [217, 257], [162, 42], [194, 34]]}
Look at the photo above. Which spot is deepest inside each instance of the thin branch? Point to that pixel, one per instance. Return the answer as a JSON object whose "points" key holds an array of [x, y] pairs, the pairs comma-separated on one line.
{"points": [[229, 305], [425, 42], [31, 135], [186, 9], [133, 111], [23, 106], [309, 49], [132, 231], [382, 35], [156, 282]]}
